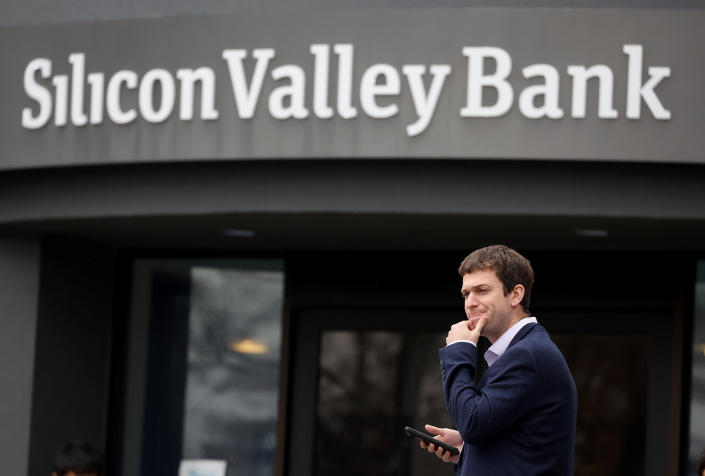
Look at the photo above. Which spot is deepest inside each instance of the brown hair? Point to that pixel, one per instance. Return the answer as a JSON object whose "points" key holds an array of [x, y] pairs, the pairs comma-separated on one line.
{"points": [[510, 267], [701, 464]]}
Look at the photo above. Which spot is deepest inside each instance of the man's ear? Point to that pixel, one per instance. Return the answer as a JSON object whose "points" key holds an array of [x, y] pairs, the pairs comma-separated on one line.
{"points": [[517, 294]]}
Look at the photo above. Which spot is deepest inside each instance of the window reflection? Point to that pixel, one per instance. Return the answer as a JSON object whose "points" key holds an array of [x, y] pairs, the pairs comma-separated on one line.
{"points": [[372, 385], [232, 379], [610, 373], [203, 365]]}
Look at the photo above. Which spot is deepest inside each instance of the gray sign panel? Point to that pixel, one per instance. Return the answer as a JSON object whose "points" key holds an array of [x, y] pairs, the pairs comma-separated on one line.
{"points": [[553, 84]]}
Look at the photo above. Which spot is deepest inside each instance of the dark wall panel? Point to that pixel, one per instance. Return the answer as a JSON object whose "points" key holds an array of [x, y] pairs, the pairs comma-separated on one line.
{"points": [[70, 398], [19, 289]]}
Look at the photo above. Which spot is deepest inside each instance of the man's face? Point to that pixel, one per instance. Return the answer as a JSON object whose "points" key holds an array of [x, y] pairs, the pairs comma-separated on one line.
{"points": [[484, 296]]}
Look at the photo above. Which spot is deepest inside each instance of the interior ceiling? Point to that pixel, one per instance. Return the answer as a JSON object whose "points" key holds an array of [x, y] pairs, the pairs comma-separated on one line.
{"points": [[365, 231]]}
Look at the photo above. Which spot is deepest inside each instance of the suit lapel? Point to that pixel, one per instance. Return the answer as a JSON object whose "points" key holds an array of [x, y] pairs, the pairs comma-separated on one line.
{"points": [[520, 335]]}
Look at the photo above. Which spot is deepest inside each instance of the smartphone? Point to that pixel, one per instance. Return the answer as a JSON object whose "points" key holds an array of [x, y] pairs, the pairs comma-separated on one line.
{"points": [[429, 439]]}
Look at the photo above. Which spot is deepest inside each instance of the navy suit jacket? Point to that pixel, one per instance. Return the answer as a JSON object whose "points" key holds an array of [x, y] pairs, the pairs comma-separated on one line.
{"points": [[520, 418]]}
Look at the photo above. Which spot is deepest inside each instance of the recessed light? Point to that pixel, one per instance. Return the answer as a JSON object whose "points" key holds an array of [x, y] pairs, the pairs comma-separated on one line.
{"points": [[592, 232], [236, 233], [249, 346]]}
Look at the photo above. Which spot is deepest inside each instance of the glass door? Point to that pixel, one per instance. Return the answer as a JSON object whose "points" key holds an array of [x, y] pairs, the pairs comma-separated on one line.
{"points": [[203, 365], [367, 374]]}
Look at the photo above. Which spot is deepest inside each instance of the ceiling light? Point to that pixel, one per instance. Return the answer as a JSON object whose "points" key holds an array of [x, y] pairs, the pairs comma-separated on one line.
{"points": [[592, 232], [237, 233]]}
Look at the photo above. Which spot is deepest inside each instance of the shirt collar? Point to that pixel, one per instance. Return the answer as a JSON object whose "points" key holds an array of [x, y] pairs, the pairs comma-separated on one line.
{"points": [[500, 346]]}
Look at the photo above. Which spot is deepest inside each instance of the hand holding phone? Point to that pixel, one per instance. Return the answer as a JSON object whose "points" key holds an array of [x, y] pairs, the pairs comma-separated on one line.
{"points": [[431, 440]]}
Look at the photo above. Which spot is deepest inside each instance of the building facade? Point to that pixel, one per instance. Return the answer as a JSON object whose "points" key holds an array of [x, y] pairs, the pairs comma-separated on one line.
{"points": [[231, 231]]}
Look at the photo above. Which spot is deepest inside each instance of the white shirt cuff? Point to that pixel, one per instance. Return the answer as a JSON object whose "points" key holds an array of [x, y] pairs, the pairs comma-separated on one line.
{"points": [[468, 341]]}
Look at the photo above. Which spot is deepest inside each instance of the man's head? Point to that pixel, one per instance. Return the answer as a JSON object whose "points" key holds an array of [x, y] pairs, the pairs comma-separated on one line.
{"points": [[510, 267], [78, 459], [497, 284], [701, 465]]}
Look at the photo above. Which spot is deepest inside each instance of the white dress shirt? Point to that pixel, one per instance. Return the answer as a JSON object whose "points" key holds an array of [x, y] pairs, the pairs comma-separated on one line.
{"points": [[500, 346]]}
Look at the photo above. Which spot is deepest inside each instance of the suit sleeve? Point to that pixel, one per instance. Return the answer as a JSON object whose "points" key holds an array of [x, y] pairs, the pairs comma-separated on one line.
{"points": [[482, 414]]}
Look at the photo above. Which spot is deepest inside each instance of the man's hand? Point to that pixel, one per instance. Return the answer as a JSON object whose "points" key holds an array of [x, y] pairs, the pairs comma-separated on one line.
{"points": [[466, 330], [446, 435]]}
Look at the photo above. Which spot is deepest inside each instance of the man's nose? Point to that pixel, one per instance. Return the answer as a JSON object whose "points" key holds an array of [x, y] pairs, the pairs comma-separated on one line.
{"points": [[470, 301]]}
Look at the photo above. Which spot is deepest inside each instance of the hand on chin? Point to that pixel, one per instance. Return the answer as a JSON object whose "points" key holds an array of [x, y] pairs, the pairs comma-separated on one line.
{"points": [[473, 320]]}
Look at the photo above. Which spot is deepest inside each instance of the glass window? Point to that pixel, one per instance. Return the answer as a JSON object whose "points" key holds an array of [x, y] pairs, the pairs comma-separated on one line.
{"points": [[204, 358], [372, 384], [697, 404], [610, 437]]}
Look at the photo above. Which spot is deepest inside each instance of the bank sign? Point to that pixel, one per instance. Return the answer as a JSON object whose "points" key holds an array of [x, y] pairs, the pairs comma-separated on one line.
{"points": [[546, 84]]}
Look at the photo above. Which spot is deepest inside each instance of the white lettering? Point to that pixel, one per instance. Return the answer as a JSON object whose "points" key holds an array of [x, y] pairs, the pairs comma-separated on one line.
{"points": [[424, 103], [636, 91], [605, 77], [187, 81], [549, 90], [477, 80], [125, 96], [369, 89], [345, 72], [295, 91], [146, 95], [61, 84], [78, 68], [320, 82], [246, 97], [96, 81], [113, 107], [37, 92]]}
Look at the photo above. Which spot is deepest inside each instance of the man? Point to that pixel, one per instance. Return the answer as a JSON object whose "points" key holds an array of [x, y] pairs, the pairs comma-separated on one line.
{"points": [[520, 418], [700, 471], [78, 459]]}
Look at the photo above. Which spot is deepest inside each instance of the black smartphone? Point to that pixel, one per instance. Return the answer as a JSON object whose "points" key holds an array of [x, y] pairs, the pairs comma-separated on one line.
{"points": [[429, 439]]}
